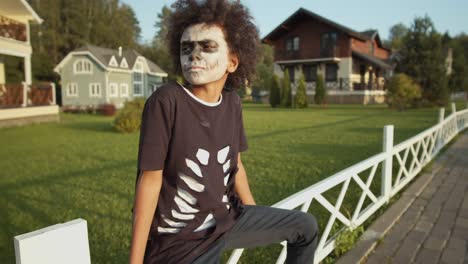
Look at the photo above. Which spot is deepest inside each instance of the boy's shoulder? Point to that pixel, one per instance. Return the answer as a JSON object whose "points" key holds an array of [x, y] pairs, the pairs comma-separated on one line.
{"points": [[167, 90]]}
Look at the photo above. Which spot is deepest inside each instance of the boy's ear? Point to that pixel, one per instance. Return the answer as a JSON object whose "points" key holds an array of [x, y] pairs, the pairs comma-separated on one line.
{"points": [[233, 63]]}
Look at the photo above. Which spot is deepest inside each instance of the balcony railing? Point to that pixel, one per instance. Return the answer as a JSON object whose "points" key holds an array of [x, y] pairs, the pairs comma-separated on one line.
{"points": [[12, 29], [23, 95]]}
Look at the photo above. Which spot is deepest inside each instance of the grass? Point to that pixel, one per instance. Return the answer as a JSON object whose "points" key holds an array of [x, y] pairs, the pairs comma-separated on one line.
{"points": [[81, 168]]}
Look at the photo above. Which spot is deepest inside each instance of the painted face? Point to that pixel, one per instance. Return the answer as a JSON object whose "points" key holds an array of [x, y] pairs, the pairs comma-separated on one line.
{"points": [[203, 54]]}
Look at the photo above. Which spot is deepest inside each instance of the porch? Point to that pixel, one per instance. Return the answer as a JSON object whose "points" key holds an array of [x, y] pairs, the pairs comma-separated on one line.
{"points": [[22, 104]]}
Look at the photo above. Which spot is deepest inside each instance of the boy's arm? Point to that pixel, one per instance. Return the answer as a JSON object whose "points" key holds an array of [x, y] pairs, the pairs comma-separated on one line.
{"points": [[146, 199], [242, 185]]}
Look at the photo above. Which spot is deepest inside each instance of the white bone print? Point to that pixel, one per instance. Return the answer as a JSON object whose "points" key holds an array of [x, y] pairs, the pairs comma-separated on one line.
{"points": [[203, 156], [186, 202], [222, 155], [194, 167]]}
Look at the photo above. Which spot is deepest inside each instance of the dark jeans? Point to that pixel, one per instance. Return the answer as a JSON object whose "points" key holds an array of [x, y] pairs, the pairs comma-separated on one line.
{"points": [[263, 225]]}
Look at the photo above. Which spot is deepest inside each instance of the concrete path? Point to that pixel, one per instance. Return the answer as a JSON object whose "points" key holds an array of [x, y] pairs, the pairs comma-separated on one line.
{"points": [[434, 229]]}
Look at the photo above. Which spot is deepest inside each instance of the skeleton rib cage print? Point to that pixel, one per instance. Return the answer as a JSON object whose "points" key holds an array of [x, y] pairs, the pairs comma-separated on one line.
{"points": [[185, 203]]}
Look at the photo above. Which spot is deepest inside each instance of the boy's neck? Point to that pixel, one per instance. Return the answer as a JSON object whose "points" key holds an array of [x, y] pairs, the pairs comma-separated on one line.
{"points": [[209, 92]]}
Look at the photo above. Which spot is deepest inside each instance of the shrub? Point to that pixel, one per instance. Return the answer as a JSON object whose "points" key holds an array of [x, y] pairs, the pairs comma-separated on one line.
{"points": [[107, 109], [275, 91], [301, 96], [320, 91], [128, 120], [402, 91], [286, 93]]}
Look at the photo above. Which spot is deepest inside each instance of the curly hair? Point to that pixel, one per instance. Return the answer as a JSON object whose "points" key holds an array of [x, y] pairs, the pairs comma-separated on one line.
{"points": [[241, 33]]}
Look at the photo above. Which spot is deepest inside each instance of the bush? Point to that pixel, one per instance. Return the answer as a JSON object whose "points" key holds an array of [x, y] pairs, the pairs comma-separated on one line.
{"points": [[128, 120], [301, 96], [275, 91], [286, 94], [320, 91], [107, 109], [402, 91]]}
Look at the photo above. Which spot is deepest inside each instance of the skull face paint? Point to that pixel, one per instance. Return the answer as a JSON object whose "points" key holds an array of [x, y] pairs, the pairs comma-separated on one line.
{"points": [[203, 54]]}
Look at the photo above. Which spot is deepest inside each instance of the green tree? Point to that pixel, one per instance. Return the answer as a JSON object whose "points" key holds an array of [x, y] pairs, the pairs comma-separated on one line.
{"points": [[401, 91], [275, 91], [320, 91], [458, 79], [397, 32], [423, 58], [301, 96], [286, 97]]}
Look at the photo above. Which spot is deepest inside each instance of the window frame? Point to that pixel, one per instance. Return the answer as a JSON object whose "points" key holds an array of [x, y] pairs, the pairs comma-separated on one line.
{"points": [[138, 69], [116, 90], [69, 89], [95, 94], [327, 72], [82, 63], [122, 94]]}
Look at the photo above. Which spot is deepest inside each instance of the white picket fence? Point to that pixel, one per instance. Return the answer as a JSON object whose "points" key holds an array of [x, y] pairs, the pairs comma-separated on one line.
{"points": [[399, 165]]}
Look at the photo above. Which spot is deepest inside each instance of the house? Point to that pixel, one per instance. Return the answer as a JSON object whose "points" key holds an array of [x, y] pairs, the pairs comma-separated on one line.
{"points": [[25, 102], [354, 64], [92, 76]]}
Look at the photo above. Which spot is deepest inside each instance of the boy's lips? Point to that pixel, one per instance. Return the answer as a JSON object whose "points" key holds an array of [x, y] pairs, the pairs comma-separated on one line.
{"points": [[195, 68]]}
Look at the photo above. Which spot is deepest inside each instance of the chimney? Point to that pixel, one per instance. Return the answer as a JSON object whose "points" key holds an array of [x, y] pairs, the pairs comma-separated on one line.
{"points": [[120, 51]]}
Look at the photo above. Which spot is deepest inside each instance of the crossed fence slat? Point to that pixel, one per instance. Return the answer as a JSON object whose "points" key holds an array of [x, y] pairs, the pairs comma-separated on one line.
{"points": [[423, 147]]}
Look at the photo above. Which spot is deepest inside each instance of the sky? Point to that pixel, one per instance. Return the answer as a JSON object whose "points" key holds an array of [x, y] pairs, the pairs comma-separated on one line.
{"points": [[360, 15]]}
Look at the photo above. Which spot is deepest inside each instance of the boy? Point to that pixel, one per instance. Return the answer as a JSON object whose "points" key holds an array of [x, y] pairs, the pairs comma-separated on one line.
{"points": [[192, 197]]}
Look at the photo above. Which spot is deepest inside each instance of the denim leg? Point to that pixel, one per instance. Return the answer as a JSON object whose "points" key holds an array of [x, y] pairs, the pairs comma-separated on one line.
{"points": [[264, 225]]}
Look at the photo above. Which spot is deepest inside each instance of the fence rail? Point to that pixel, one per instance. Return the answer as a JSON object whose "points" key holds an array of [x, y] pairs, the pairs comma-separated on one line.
{"points": [[399, 165]]}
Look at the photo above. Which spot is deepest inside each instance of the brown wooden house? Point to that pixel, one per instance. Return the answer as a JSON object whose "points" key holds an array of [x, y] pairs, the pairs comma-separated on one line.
{"points": [[354, 64]]}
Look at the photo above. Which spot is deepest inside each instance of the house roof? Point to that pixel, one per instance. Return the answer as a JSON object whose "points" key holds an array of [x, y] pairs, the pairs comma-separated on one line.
{"points": [[104, 55], [372, 60], [303, 13], [19, 8]]}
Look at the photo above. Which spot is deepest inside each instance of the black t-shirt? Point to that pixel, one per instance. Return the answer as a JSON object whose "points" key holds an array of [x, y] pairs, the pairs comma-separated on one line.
{"points": [[196, 144]]}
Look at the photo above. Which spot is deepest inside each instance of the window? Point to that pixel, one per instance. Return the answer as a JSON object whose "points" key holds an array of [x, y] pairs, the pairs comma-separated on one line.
{"points": [[331, 72], [72, 89], [328, 43], [137, 89], [113, 90], [310, 73], [82, 66], [138, 79], [95, 90], [372, 48], [124, 90], [292, 44]]}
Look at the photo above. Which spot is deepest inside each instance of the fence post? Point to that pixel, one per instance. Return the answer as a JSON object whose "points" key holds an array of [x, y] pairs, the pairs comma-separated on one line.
{"points": [[454, 109], [54, 99], [387, 164]]}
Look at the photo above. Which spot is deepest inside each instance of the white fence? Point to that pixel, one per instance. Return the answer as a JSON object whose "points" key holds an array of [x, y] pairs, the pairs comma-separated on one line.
{"points": [[399, 165]]}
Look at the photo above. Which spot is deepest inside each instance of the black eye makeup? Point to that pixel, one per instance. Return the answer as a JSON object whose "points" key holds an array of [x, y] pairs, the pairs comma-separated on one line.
{"points": [[208, 46]]}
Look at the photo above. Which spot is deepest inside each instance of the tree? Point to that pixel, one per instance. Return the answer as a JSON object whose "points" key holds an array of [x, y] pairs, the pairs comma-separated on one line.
{"points": [[401, 91], [423, 58], [458, 79], [275, 91], [320, 91], [301, 96], [286, 91], [397, 32]]}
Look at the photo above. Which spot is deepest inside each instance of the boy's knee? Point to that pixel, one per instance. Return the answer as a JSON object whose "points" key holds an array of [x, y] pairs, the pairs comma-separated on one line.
{"points": [[309, 225]]}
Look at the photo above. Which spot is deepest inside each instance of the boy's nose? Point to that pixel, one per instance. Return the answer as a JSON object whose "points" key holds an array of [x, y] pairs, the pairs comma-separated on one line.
{"points": [[196, 53]]}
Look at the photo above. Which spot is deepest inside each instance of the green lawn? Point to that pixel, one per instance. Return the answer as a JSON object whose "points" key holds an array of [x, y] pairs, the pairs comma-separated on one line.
{"points": [[81, 168]]}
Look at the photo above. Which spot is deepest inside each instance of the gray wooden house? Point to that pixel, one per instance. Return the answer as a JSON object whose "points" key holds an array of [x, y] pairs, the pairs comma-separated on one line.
{"points": [[92, 76]]}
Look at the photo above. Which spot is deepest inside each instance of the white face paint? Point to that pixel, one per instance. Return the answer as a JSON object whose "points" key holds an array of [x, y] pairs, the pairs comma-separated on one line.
{"points": [[203, 54]]}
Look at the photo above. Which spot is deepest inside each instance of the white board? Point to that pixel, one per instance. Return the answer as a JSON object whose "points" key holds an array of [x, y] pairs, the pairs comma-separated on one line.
{"points": [[57, 244]]}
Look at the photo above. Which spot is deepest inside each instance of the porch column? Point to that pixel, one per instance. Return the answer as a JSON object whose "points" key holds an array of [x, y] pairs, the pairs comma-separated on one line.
{"points": [[27, 69], [370, 80], [2, 71]]}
